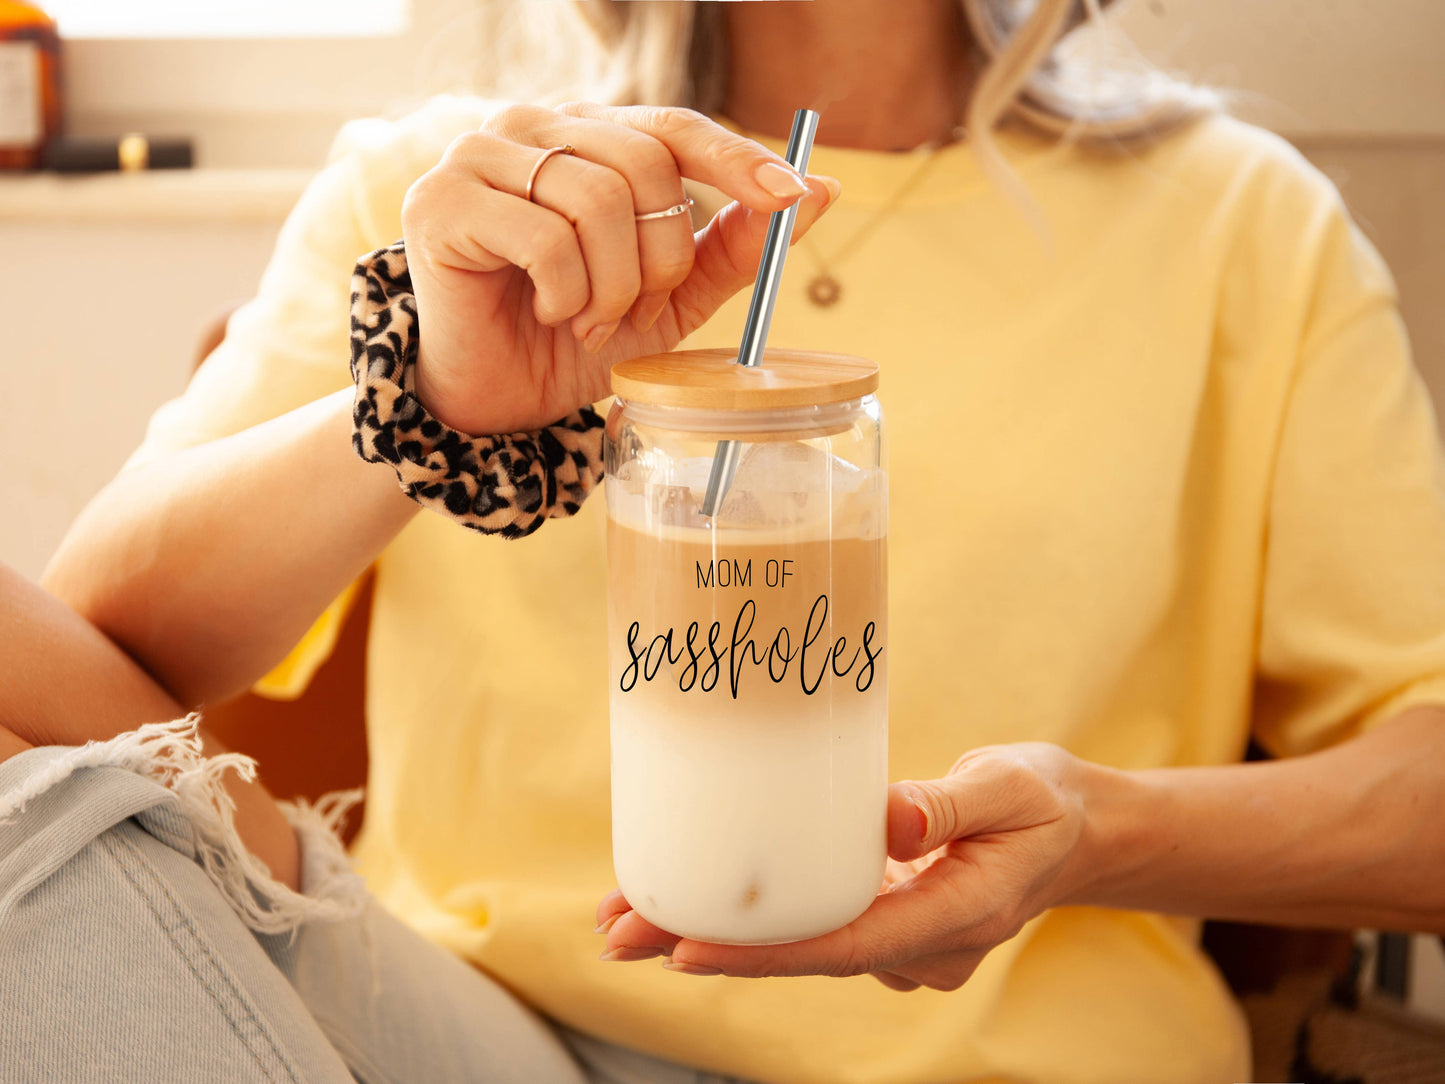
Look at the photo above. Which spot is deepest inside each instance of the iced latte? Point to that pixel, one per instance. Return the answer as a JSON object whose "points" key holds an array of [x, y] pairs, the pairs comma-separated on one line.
{"points": [[748, 669]]}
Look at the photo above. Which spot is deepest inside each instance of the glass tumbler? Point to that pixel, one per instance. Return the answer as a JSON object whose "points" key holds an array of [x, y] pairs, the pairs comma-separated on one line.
{"points": [[748, 650]]}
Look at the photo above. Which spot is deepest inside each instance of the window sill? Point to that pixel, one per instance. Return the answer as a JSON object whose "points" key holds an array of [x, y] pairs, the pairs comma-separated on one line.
{"points": [[226, 196]]}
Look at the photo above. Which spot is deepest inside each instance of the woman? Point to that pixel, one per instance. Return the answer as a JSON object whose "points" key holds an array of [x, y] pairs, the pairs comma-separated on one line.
{"points": [[1163, 478]]}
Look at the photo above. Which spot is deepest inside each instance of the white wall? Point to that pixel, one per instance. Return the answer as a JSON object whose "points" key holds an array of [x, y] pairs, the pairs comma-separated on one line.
{"points": [[103, 321], [1335, 67]]}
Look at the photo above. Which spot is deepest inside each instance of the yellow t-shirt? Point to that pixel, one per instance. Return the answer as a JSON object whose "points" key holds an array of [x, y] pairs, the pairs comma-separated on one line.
{"points": [[1160, 480]]}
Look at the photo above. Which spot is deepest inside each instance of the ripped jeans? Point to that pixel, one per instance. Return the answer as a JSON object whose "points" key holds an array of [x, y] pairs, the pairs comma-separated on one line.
{"points": [[139, 941]]}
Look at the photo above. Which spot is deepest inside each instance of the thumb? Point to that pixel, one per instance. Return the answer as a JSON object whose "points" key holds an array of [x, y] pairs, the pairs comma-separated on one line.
{"points": [[729, 248], [978, 796]]}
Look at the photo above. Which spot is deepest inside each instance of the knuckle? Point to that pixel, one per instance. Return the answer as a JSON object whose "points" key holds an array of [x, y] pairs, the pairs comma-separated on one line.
{"points": [[611, 191], [669, 120], [552, 305], [992, 764], [417, 204], [1012, 772], [683, 115], [652, 163], [691, 313], [948, 981], [613, 298], [416, 195], [513, 119], [559, 302], [943, 817], [605, 194], [466, 145], [1031, 790], [854, 959], [577, 108], [553, 243], [741, 154], [847, 969]]}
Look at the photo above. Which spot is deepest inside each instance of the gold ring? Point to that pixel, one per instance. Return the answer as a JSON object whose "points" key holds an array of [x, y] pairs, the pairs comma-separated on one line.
{"points": [[677, 209], [565, 148]]}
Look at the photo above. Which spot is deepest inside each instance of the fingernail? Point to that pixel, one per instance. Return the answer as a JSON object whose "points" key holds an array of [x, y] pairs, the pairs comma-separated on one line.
{"points": [[690, 969], [780, 180], [833, 185], [598, 336], [647, 308], [630, 955], [608, 924]]}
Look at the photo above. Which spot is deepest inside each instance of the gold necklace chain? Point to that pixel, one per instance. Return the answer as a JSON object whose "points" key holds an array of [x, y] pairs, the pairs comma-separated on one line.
{"points": [[823, 288]]}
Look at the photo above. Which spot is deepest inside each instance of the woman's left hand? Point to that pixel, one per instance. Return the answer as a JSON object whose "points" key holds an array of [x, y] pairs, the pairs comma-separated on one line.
{"points": [[973, 856]]}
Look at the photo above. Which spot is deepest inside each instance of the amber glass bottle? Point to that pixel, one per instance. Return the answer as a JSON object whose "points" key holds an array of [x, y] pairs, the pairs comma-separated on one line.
{"points": [[29, 83]]}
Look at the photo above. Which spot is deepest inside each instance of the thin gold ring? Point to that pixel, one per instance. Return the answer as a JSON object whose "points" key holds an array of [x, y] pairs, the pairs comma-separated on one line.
{"points": [[677, 209], [565, 148]]}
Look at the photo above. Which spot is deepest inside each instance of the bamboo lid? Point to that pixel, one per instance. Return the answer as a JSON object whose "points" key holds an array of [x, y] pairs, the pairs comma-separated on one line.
{"points": [[711, 380]]}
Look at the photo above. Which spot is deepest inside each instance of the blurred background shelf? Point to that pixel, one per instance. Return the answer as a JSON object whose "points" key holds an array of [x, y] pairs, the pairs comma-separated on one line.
{"points": [[213, 196]]}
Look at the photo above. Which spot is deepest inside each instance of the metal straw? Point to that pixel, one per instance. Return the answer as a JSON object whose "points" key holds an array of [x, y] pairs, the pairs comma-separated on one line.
{"points": [[760, 309]]}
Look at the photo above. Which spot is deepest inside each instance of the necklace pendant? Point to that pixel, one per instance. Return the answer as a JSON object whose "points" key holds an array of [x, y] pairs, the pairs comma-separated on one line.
{"points": [[824, 290]]}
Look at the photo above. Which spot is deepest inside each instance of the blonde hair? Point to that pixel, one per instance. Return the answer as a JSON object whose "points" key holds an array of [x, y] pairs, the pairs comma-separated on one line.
{"points": [[1053, 66]]}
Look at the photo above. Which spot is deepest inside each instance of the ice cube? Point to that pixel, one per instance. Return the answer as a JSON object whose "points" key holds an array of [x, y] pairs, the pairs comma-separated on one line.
{"points": [[671, 506], [630, 477], [744, 508], [786, 467]]}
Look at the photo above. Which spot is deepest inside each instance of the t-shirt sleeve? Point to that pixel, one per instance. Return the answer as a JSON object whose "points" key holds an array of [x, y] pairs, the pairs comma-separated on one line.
{"points": [[1352, 627]]}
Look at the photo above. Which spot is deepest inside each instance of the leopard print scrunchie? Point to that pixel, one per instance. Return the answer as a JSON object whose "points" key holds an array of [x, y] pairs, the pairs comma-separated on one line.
{"points": [[508, 484]]}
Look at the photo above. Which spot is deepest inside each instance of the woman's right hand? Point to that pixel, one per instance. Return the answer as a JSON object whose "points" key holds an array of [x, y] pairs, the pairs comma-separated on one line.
{"points": [[525, 306]]}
